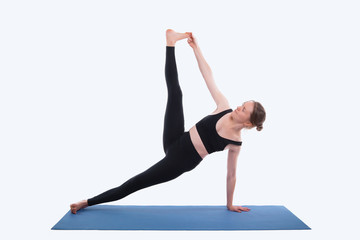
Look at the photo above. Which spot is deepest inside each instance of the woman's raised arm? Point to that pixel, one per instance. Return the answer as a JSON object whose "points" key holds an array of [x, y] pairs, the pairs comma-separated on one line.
{"points": [[207, 74]]}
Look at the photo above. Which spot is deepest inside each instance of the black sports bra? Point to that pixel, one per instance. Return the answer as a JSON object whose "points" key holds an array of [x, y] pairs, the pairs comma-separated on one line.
{"points": [[212, 141]]}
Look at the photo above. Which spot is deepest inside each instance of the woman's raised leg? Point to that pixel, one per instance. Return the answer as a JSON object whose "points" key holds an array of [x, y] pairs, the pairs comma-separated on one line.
{"points": [[174, 115]]}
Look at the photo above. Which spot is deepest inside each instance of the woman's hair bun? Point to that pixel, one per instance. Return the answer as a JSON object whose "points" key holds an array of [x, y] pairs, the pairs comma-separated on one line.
{"points": [[258, 116], [259, 128]]}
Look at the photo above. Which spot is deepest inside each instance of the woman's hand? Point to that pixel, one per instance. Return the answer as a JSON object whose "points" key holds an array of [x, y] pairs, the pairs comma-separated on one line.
{"points": [[192, 41], [238, 208]]}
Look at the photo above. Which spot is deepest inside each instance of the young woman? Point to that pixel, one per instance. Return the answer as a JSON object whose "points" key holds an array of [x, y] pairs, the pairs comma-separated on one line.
{"points": [[185, 150]]}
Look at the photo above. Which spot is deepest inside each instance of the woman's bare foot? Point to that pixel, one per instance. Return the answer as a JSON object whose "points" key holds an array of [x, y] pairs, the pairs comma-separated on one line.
{"points": [[172, 37], [79, 205]]}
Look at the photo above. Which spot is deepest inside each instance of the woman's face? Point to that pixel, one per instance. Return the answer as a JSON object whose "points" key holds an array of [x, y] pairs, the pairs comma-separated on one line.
{"points": [[242, 113]]}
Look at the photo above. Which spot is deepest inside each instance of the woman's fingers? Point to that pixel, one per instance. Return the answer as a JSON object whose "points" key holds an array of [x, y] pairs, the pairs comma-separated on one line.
{"points": [[238, 209]]}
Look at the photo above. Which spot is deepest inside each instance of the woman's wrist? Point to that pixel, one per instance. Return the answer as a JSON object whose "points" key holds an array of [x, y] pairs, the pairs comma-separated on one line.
{"points": [[196, 49]]}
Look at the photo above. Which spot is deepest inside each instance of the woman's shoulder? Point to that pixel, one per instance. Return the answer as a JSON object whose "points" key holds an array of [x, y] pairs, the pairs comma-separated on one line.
{"points": [[221, 109]]}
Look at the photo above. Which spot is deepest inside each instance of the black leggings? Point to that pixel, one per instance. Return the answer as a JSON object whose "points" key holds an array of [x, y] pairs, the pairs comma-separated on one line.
{"points": [[181, 155]]}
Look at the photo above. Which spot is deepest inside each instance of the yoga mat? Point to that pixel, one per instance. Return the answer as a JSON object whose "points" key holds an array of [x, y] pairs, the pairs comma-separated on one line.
{"points": [[136, 217]]}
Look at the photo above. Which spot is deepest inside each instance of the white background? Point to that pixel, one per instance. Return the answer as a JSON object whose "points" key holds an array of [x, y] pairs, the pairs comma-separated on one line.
{"points": [[83, 96]]}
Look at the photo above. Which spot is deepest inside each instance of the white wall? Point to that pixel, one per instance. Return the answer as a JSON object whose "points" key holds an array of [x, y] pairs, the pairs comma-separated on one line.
{"points": [[83, 95]]}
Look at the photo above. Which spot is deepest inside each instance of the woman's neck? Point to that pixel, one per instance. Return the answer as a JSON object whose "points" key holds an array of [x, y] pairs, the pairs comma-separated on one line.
{"points": [[233, 125]]}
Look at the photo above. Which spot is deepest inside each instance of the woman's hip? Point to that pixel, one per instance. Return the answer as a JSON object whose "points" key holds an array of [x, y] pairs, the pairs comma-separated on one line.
{"points": [[184, 153]]}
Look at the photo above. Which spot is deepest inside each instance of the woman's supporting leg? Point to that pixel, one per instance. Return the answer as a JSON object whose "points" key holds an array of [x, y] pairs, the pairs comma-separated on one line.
{"points": [[174, 115], [180, 158], [163, 171]]}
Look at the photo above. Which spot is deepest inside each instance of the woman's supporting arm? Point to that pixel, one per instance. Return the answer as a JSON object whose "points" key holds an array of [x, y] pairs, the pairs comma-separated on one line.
{"points": [[230, 186], [231, 175], [231, 180]]}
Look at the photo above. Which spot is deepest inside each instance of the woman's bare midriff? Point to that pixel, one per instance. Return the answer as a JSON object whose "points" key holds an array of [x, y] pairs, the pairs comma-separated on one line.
{"points": [[198, 144]]}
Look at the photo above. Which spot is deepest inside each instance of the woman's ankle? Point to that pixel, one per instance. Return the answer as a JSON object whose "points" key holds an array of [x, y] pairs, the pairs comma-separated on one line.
{"points": [[170, 43]]}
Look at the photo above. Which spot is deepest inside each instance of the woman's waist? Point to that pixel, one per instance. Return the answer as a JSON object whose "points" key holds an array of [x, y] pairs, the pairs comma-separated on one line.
{"points": [[183, 148], [197, 142]]}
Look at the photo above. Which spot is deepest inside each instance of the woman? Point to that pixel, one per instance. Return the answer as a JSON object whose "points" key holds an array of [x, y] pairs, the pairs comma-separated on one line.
{"points": [[185, 150]]}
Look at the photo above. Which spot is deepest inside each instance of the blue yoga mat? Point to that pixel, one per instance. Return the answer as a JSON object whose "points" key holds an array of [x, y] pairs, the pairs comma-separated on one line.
{"points": [[134, 217]]}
